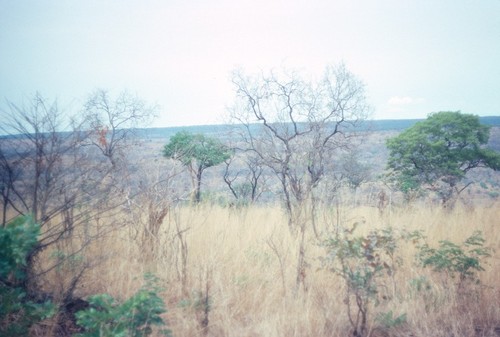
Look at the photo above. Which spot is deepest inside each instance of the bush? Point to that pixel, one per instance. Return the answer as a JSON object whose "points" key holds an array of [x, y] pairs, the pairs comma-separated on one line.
{"points": [[388, 320], [135, 317], [455, 260], [493, 194], [18, 313], [366, 263]]}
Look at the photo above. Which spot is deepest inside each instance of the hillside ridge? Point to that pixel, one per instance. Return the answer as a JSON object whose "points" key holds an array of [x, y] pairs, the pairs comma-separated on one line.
{"points": [[369, 125]]}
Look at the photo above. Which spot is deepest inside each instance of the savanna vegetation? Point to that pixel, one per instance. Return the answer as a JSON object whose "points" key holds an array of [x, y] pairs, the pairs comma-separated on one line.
{"points": [[293, 222]]}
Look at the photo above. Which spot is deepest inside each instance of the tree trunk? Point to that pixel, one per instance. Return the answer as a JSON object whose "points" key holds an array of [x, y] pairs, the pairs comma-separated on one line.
{"points": [[301, 263], [197, 191]]}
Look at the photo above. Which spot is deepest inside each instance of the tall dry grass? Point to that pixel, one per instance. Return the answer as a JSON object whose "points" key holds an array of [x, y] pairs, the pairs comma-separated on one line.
{"points": [[231, 272]]}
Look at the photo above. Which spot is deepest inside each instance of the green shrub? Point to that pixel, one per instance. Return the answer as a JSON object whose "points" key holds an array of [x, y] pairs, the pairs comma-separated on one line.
{"points": [[388, 320], [462, 261], [493, 194], [18, 313], [135, 317], [366, 263]]}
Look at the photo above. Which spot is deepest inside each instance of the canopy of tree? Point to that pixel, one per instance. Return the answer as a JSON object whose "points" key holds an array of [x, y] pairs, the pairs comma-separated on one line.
{"points": [[438, 152], [197, 152]]}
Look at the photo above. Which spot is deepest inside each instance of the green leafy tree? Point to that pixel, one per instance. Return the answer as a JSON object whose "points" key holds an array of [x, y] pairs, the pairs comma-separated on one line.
{"points": [[435, 154], [197, 152]]}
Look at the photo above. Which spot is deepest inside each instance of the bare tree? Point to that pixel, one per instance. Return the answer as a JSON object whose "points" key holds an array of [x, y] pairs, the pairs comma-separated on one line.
{"points": [[113, 121], [352, 171], [151, 201], [294, 125], [67, 187], [37, 148], [245, 176], [10, 171]]}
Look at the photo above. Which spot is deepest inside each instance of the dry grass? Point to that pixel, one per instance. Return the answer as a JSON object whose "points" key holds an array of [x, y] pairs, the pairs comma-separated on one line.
{"points": [[244, 260]]}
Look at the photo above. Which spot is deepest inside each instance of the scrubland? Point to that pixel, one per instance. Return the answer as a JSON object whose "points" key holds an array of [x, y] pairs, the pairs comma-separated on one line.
{"points": [[232, 272]]}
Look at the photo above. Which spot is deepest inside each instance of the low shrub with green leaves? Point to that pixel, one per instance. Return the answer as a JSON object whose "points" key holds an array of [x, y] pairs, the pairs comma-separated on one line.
{"points": [[18, 313], [388, 320], [366, 263], [135, 317], [456, 260]]}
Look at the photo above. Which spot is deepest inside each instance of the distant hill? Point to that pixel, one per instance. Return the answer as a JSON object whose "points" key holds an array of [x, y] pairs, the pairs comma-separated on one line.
{"points": [[167, 132], [221, 129], [401, 124], [372, 125]]}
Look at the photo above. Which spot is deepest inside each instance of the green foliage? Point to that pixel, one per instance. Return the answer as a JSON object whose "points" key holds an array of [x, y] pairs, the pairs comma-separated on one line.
{"points": [[135, 317], [462, 260], [439, 151], [420, 284], [17, 312], [196, 150], [366, 263], [421, 288], [17, 240], [493, 194], [388, 320]]}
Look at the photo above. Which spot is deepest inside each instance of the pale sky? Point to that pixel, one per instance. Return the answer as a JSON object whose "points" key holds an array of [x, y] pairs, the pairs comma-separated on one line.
{"points": [[415, 56]]}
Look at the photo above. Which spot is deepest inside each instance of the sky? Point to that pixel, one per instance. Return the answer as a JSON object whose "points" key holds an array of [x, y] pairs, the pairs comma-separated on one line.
{"points": [[414, 56]]}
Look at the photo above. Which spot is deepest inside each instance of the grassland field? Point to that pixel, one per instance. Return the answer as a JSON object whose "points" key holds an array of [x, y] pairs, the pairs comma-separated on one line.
{"points": [[235, 269]]}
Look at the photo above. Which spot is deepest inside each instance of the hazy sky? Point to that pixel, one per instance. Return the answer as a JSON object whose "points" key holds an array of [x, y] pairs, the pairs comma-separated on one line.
{"points": [[415, 56]]}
